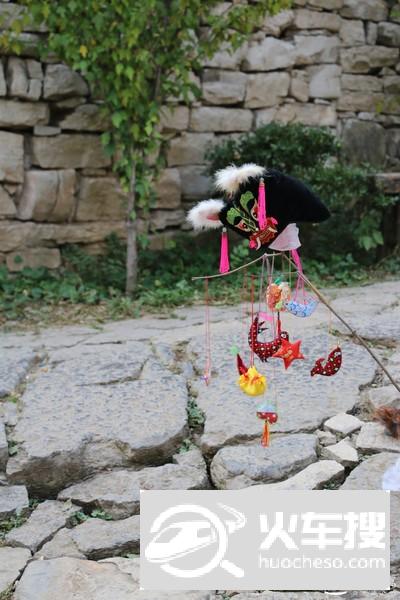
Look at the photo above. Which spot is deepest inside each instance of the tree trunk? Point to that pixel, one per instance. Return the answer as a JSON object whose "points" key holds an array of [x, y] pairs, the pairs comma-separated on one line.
{"points": [[131, 242]]}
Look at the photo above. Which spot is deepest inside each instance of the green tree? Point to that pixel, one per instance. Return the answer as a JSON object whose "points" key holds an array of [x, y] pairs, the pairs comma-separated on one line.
{"points": [[136, 55]]}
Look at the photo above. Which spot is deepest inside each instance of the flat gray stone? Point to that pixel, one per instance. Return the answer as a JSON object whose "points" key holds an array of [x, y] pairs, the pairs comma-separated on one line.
{"points": [[13, 500], [383, 327], [3, 445], [74, 579], [236, 467], [314, 477], [383, 396], [44, 522], [303, 402], [62, 544], [343, 452], [343, 424], [14, 366], [12, 561], [132, 567], [374, 438], [326, 438], [97, 538], [104, 364], [102, 426], [369, 473], [118, 492]]}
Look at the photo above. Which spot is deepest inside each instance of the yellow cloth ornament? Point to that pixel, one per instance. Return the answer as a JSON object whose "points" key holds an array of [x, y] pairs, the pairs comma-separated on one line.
{"points": [[252, 382]]}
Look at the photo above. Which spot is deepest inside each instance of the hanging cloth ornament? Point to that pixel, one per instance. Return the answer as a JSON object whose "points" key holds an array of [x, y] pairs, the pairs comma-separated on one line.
{"points": [[301, 304], [289, 352], [267, 413], [265, 350], [278, 293], [251, 382], [331, 366], [224, 266]]}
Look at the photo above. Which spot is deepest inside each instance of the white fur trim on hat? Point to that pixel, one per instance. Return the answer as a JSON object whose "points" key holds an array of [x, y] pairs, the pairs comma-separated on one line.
{"points": [[205, 214], [229, 179]]}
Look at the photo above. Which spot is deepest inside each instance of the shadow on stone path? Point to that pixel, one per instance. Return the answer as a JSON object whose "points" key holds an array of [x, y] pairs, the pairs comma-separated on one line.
{"points": [[89, 417]]}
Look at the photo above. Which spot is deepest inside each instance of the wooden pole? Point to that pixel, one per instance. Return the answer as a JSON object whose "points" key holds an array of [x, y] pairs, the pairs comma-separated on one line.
{"points": [[352, 331]]}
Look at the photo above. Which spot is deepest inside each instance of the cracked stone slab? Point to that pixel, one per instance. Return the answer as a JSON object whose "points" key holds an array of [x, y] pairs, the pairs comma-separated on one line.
{"points": [[132, 566], [235, 467], [374, 438], [15, 364], [383, 327], [343, 452], [3, 447], [60, 545], [67, 432], [303, 402], [44, 522], [73, 579], [13, 500], [12, 562], [314, 477], [383, 396], [118, 492], [97, 538], [103, 364], [368, 474], [8, 413]]}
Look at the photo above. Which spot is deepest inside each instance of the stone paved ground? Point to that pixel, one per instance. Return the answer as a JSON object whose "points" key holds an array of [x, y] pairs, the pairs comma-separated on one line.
{"points": [[88, 417]]}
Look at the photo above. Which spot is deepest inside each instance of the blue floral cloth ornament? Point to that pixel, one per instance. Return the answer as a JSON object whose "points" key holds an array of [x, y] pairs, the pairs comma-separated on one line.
{"points": [[301, 309]]}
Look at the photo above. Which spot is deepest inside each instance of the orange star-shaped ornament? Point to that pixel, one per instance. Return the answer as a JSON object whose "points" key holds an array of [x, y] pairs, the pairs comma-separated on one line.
{"points": [[289, 352]]}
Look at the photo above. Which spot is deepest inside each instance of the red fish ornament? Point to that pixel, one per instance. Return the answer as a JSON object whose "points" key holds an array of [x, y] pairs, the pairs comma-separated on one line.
{"points": [[265, 350], [289, 352], [331, 366]]}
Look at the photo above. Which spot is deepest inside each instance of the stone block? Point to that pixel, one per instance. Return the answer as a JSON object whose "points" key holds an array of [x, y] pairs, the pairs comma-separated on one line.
{"points": [[162, 219], [277, 24], [174, 118], [61, 82], [7, 206], [299, 86], [189, 149], [69, 152], [20, 84], [360, 101], [13, 562], [389, 34], [343, 452], [391, 104], [269, 55], [13, 500], [196, 185], [326, 4], [364, 141], [11, 157], [223, 87], [3, 85], [367, 10], [324, 81], [391, 84], [343, 424], [86, 117], [33, 258], [168, 189], [100, 199], [372, 33], [352, 33], [310, 49], [46, 130], [363, 58], [361, 83], [226, 59], [323, 115], [312, 19], [215, 119], [34, 68], [21, 115], [48, 196], [390, 184], [266, 89]]}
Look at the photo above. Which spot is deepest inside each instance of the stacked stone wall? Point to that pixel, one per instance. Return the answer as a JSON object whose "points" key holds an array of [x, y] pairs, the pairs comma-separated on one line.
{"points": [[325, 62]]}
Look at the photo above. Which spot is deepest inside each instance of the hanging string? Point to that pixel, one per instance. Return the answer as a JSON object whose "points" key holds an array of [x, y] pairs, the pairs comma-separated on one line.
{"points": [[207, 367], [252, 317], [261, 287], [243, 311]]}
